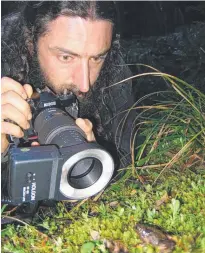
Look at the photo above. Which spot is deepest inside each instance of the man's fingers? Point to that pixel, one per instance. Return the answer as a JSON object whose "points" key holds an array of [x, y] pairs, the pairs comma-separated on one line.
{"points": [[14, 109], [28, 89], [90, 137], [89, 130], [10, 112], [11, 97], [4, 143], [35, 143], [84, 124], [87, 127], [9, 128], [8, 84]]}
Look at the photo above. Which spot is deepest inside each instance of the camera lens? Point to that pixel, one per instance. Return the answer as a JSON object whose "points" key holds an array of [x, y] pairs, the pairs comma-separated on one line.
{"points": [[54, 126], [85, 173]]}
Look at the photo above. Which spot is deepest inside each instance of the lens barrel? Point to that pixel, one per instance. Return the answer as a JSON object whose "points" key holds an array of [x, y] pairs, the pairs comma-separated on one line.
{"points": [[54, 126]]}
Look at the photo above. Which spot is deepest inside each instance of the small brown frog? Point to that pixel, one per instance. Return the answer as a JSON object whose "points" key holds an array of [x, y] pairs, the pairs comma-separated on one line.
{"points": [[154, 236]]}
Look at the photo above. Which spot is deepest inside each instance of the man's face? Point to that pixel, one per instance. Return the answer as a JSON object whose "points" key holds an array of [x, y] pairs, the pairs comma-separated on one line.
{"points": [[72, 52]]}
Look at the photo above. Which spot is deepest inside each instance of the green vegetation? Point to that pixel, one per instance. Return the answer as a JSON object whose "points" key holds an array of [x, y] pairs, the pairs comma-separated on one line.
{"points": [[177, 206], [164, 187]]}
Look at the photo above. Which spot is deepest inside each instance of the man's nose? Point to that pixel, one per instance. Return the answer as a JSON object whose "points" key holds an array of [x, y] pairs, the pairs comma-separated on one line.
{"points": [[82, 77]]}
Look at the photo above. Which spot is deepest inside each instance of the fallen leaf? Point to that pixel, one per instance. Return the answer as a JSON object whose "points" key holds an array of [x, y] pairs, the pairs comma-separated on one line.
{"points": [[161, 201], [133, 192], [95, 235], [113, 204]]}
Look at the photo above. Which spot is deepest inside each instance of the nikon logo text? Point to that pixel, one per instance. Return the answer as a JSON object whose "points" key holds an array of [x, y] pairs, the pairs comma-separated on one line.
{"points": [[33, 191]]}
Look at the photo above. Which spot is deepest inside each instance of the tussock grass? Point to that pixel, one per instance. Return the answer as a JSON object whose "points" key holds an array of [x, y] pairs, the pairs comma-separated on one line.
{"points": [[171, 124]]}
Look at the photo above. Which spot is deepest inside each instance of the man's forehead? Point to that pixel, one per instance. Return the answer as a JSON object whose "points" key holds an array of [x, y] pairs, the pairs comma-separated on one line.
{"points": [[75, 33]]}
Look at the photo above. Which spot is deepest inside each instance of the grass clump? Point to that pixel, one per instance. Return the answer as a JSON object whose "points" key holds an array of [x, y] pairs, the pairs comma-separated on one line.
{"points": [[171, 124]]}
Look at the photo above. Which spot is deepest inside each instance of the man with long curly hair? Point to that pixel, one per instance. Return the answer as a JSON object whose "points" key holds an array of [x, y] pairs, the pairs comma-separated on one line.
{"points": [[72, 46]]}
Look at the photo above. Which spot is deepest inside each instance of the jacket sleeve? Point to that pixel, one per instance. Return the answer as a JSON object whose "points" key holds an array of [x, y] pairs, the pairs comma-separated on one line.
{"points": [[122, 127], [122, 104]]}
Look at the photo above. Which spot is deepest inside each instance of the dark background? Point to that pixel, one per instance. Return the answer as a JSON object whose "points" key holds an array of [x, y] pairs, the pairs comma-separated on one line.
{"points": [[145, 18]]}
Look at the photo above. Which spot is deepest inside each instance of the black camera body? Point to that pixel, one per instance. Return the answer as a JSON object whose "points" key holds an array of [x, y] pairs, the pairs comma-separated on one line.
{"points": [[64, 166], [45, 101]]}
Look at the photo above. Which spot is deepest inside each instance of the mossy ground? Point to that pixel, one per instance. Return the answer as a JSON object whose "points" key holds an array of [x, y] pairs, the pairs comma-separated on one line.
{"points": [[176, 204]]}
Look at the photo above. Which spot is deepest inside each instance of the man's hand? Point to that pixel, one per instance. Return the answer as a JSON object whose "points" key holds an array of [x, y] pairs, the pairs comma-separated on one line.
{"points": [[14, 109], [87, 127]]}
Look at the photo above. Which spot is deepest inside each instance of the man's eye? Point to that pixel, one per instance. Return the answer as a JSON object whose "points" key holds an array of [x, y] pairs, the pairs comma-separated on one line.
{"points": [[98, 59], [65, 58]]}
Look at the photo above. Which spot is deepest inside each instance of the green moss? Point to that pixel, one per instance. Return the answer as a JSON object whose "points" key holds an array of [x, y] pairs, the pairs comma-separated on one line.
{"points": [[182, 214]]}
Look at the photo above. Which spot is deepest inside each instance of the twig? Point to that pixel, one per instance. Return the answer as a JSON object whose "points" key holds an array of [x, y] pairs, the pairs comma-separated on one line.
{"points": [[11, 211], [152, 166], [15, 219], [78, 205], [98, 196], [24, 223]]}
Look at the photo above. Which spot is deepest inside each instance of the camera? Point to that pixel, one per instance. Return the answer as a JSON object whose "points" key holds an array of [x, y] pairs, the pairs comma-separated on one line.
{"points": [[65, 166]]}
